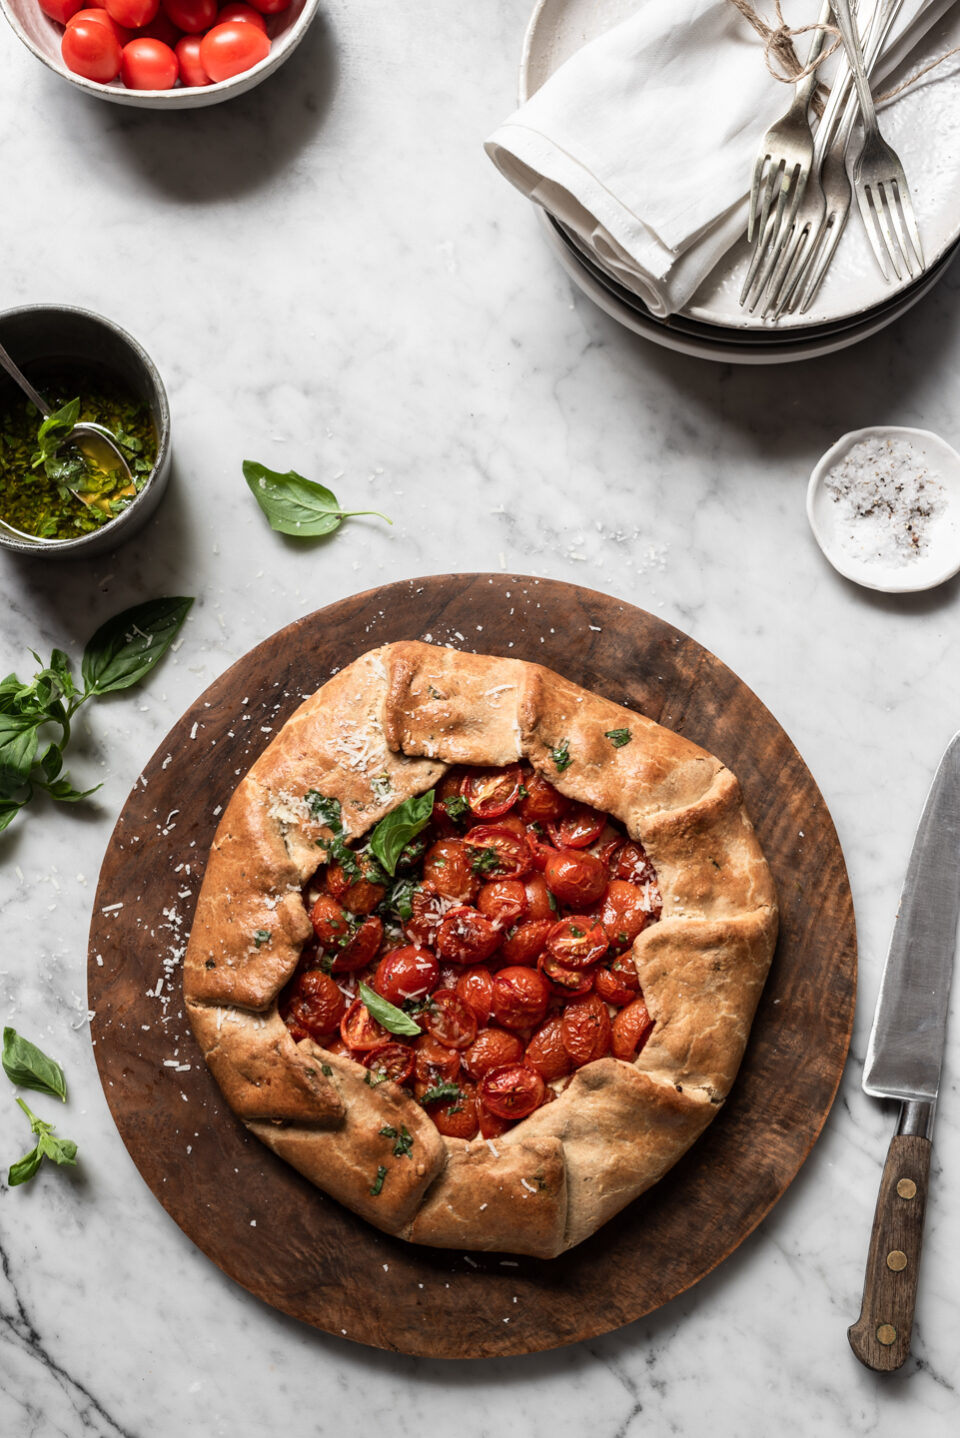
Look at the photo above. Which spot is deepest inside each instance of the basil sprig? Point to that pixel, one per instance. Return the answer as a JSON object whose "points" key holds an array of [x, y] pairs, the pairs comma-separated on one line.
{"points": [[126, 648], [387, 1014], [295, 505], [29, 1067], [392, 835], [58, 1150]]}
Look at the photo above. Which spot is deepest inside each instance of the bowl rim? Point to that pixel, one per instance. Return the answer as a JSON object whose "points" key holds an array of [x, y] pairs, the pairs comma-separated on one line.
{"points": [[160, 401]]}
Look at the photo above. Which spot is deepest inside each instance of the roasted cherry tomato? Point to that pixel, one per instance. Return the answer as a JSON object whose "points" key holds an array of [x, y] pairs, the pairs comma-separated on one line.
{"points": [[512, 1092], [359, 895], [497, 851], [457, 1118], [503, 902], [427, 911], [586, 1029], [466, 937], [575, 878], [391, 1061], [491, 1049], [60, 10], [149, 65], [242, 12], [475, 987], [491, 792], [407, 973], [539, 850], [542, 803], [570, 983], [230, 49], [632, 1027], [317, 1004], [525, 943], [625, 913], [434, 1063], [546, 1053], [330, 923], [101, 17], [131, 13], [619, 983], [577, 942], [491, 1126], [520, 998], [90, 50], [579, 827], [447, 869], [629, 861], [193, 17], [360, 1030], [449, 1020], [540, 902], [360, 950]]}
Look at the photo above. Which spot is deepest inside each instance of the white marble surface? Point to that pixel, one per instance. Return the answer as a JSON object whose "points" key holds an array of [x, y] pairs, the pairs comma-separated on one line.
{"points": [[331, 276]]}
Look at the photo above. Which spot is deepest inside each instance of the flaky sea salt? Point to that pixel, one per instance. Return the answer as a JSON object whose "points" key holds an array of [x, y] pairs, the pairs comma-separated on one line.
{"points": [[887, 498]]}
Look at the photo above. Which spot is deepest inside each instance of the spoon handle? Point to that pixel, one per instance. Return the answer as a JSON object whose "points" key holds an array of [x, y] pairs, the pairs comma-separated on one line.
{"points": [[17, 375]]}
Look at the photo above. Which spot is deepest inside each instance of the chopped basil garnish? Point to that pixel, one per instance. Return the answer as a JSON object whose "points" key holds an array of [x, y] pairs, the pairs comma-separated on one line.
{"points": [[29, 1067], [261, 936], [446, 1090], [326, 1070], [378, 1181], [618, 737], [399, 899], [387, 1014], [328, 811], [561, 756], [484, 861], [456, 806], [552, 902], [403, 1147], [392, 835]]}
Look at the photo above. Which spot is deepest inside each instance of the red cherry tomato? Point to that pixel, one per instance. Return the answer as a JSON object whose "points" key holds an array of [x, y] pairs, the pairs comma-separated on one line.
{"points": [[475, 987], [579, 827], [546, 1053], [427, 911], [491, 792], [630, 862], [360, 1030], [449, 1020], [457, 1118], [242, 12], [131, 13], [490, 1125], [575, 878], [361, 950], [542, 803], [446, 868], [577, 942], [503, 902], [497, 851], [101, 17], [434, 1063], [539, 851], [569, 983], [632, 1027], [230, 49], [586, 1030], [524, 944], [539, 903], [149, 65], [161, 27], [270, 7], [512, 1092], [520, 998], [317, 1005], [625, 913], [466, 937], [90, 50], [407, 973], [193, 17], [60, 10], [329, 921], [391, 1061], [360, 896], [491, 1049], [619, 983]]}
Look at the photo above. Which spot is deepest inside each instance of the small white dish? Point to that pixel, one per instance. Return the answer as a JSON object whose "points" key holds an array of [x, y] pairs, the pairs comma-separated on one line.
{"points": [[940, 562]]}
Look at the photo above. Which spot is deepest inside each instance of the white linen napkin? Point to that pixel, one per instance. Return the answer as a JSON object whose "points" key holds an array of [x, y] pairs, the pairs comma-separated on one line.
{"points": [[643, 143]]}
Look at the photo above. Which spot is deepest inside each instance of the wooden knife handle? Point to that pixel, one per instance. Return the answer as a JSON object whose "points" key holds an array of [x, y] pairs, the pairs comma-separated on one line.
{"points": [[881, 1335]]}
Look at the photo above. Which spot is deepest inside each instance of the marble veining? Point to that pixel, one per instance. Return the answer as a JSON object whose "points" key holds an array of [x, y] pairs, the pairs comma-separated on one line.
{"points": [[332, 277]]}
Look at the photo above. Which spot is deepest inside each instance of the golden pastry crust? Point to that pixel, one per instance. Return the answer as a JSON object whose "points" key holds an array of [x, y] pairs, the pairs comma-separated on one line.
{"points": [[385, 729]]}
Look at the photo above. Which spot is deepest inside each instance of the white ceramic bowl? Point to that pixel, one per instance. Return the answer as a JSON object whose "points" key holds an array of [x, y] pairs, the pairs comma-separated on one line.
{"points": [[942, 559], [42, 35]]}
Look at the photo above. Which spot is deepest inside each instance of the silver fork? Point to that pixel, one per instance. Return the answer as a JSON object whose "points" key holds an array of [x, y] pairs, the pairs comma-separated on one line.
{"points": [[782, 165], [879, 182]]}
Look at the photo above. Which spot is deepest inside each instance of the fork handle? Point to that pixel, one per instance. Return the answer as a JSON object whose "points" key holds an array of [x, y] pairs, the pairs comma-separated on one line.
{"points": [[808, 84], [851, 43]]}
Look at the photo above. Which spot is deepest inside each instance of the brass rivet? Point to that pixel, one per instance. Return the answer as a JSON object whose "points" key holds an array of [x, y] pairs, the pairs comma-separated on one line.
{"points": [[886, 1334], [896, 1259], [907, 1188]]}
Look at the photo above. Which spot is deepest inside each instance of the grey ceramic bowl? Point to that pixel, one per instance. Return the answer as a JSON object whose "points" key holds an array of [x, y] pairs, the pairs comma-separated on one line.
{"points": [[61, 333], [42, 35]]}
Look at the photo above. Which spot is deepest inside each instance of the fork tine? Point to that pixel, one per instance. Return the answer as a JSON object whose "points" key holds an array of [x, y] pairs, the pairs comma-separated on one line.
{"points": [[773, 184], [887, 193], [868, 215], [910, 220], [766, 261], [880, 213], [758, 170], [820, 261], [773, 286], [764, 236], [802, 255]]}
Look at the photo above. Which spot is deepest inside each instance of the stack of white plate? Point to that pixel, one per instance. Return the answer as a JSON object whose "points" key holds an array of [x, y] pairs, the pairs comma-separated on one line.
{"points": [[854, 301]]}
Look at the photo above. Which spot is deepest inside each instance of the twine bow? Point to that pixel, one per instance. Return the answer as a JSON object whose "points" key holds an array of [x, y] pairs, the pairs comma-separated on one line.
{"points": [[778, 43]]}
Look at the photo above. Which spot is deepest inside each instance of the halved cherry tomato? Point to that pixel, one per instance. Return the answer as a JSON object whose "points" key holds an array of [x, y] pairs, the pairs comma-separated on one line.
{"points": [[542, 803], [193, 17], [317, 1004], [149, 65], [360, 1031], [407, 973], [427, 911], [101, 17], [497, 851], [525, 943], [230, 49], [619, 983], [459, 1118], [60, 10], [546, 1053], [575, 878], [503, 902], [491, 792], [577, 942], [632, 1027], [450, 1021], [569, 983], [434, 1063], [241, 12], [361, 950], [90, 50], [475, 987], [512, 1092], [520, 998], [131, 13], [540, 904], [393, 1061], [447, 869], [586, 1030], [466, 937], [624, 914], [491, 1049], [360, 896], [579, 827], [539, 850]]}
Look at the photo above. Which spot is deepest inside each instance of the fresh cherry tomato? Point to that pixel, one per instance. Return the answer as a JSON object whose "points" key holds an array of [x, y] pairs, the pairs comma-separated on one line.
{"points": [[491, 1049], [542, 803], [90, 50], [270, 7], [577, 942], [466, 937], [579, 827], [360, 1031], [360, 896], [391, 1061], [619, 983], [497, 851], [540, 905], [503, 902], [512, 1092], [317, 1004], [475, 987], [60, 10], [520, 998], [491, 792], [230, 49], [242, 12], [149, 65], [524, 944], [193, 17], [101, 17], [459, 1118], [449, 1020], [407, 973], [161, 27], [131, 13], [569, 983], [624, 914], [586, 1030], [575, 878], [632, 1027], [447, 870], [546, 1053], [434, 1063]]}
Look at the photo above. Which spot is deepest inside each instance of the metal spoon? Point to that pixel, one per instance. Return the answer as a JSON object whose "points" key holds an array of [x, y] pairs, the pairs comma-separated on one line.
{"points": [[94, 441]]}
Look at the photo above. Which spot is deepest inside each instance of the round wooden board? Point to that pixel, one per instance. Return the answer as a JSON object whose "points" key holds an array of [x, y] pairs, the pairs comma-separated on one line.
{"points": [[260, 1220]]}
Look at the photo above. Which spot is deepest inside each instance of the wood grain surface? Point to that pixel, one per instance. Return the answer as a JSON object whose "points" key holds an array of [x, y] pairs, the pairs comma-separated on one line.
{"points": [[294, 1247]]}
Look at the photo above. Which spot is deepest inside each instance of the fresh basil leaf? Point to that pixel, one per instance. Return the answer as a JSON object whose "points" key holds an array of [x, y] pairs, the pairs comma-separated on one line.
{"points": [[393, 834], [18, 748], [387, 1014], [9, 809], [63, 791], [51, 761], [23, 1170], [60, 666], [618, 737], [295, 505], [29, 1067], [55, 428], [126, 648], [58, 1150]]}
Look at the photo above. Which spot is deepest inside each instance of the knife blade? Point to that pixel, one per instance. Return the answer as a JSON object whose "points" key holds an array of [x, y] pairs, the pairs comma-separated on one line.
{"points": [[904, 1059]]}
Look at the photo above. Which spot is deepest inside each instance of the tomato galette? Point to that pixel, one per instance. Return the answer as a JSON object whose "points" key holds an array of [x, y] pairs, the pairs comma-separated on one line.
{"points": [[477, 950]]}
